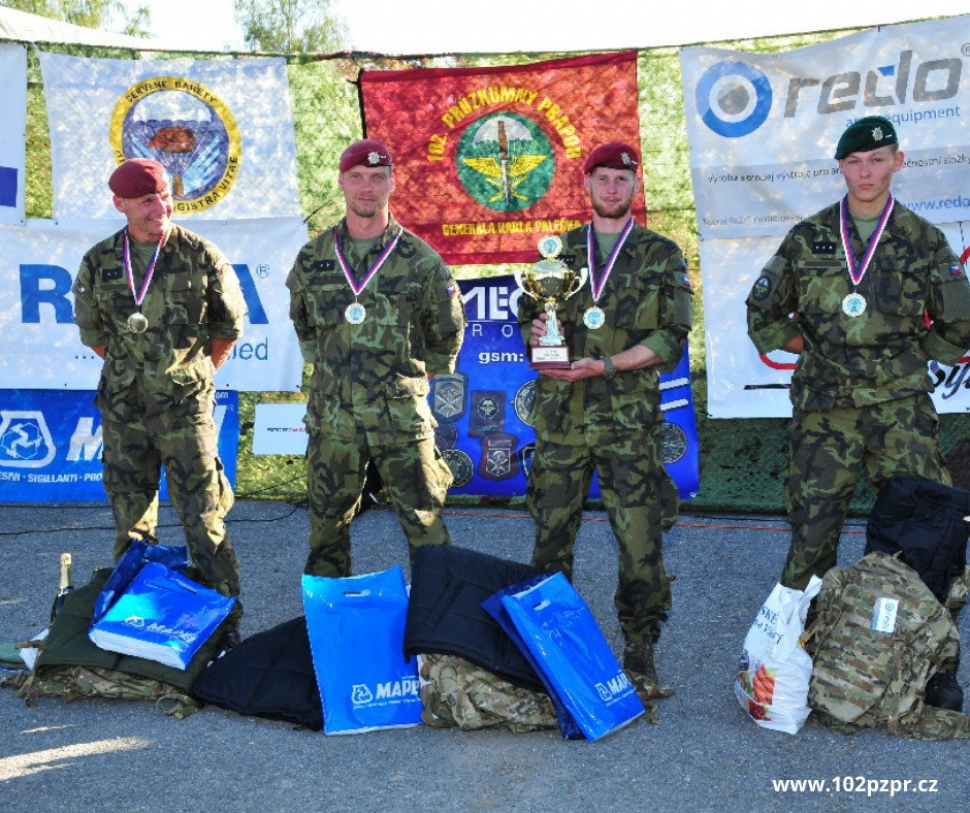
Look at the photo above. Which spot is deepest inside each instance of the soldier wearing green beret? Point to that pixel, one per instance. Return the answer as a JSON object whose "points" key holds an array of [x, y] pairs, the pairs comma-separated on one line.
{"points": [[849, 291], [377, 313], [163, 308], [602, 414]]}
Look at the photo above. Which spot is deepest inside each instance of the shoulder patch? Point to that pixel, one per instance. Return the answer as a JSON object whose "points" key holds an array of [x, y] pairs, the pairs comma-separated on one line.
{"points": [[761, 288]]}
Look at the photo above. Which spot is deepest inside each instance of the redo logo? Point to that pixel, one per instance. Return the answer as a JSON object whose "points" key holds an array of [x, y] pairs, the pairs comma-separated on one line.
{"points": [[505, 162], [188, 130], [733, 98], [25, 440]]}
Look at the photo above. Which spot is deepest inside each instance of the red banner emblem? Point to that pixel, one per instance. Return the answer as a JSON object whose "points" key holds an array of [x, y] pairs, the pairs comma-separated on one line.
{"points": [[488, 160]]}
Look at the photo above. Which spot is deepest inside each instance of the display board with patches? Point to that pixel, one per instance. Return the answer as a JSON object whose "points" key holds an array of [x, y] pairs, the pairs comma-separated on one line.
{"points": [[483, 411], [489, 159]]}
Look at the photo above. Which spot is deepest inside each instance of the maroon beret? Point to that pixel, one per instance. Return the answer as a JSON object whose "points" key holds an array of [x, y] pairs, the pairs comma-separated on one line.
{"points": [[613, 154], [367, 152], [138, 177]]}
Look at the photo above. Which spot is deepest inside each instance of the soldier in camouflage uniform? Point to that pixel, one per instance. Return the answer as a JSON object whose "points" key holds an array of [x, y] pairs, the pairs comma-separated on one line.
{"points": [[848, 291], [602, 414], [162, 307], [377, 314]]}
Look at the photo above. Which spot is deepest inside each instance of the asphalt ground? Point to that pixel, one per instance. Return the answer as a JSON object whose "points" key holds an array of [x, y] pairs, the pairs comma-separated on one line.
{"points": [[703, 753]]}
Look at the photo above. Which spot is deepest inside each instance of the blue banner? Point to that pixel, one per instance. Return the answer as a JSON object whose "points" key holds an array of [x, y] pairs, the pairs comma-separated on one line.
{"points": [[483, 410], [50, 444]]}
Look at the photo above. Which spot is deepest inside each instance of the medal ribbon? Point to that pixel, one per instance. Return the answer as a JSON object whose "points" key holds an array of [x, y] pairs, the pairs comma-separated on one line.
{"points": [[596, 286], [149, 272], [349, 271], [858, 271]]}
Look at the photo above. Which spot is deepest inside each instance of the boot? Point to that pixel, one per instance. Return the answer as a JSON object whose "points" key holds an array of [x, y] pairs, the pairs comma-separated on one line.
{"points": [[943, 691], [641, 671]]}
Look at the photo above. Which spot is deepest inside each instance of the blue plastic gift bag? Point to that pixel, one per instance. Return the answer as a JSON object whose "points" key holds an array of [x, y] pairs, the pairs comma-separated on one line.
{"points": [[128, 566], [162, 616], [557, 632], [494, 607], [356, 628]]}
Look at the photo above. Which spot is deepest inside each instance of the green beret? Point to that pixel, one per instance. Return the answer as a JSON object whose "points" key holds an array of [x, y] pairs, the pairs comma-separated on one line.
{"points": [[865, 135]]}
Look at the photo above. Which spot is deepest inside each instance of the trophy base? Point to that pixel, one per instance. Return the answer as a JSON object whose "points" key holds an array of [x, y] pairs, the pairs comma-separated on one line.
{"points": [[550, 358]]}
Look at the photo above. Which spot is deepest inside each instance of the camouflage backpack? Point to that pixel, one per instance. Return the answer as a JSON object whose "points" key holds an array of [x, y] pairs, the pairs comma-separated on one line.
{"points": [[879, 636]]}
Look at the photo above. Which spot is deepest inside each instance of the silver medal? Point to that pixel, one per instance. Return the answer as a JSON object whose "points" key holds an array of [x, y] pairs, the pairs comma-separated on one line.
{"points": [[355, 313], [594, 318], [137, 323], [854, 305]]}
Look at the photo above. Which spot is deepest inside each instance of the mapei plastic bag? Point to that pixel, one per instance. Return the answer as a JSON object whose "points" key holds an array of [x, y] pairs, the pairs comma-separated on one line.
{"points": [[775, 670], [161, 616], [356, 628], [551, 624], [138, 554]]}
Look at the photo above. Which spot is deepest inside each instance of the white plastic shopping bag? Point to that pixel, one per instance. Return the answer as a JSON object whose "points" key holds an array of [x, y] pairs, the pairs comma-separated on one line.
{"points": [[773, 676]]}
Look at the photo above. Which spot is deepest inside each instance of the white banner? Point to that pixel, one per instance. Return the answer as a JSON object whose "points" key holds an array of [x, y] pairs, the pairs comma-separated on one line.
{"points": [[763, 127], [743, 384], [279, 429], [13, 131], [43, 350], [222, 128]]}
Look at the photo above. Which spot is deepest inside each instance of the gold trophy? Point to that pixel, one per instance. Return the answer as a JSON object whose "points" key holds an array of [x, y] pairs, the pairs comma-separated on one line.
{"points": [[553, 282]]}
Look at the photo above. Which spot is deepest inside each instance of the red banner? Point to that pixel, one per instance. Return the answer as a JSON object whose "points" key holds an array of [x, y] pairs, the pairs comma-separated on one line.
{"points": [[488, 160]]}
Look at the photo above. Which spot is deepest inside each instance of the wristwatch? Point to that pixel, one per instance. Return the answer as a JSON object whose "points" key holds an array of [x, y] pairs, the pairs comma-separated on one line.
{"points": [[609, 369]]}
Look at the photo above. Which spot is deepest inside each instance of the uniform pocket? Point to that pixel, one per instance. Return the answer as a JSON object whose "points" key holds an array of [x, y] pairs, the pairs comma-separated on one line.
{"points": [[638, 308], [184, 300], [822, 285], [326, 303], [115, 303], [898, 290]]}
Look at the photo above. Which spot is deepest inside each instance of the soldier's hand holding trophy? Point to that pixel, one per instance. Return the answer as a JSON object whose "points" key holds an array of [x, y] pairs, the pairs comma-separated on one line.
{"points": [[551, 281]]}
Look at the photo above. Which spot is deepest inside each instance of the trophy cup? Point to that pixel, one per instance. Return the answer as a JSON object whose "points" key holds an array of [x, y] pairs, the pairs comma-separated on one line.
{"points": [[552, 281]]}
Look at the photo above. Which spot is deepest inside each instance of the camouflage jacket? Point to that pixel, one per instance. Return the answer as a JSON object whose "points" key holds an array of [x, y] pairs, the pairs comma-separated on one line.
{"points": [[372, 376], [646, 300], [193, 297], [855, 361]]}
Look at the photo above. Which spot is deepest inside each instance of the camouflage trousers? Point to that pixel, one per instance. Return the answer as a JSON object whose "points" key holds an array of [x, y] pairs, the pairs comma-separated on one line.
{"points": [[416, 480], [828, 452], [641, 502], [197, 486]]}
